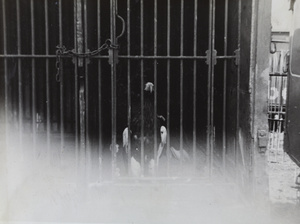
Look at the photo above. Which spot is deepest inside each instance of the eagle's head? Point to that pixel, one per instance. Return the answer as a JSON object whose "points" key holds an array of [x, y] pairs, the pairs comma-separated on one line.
{"points": [[149, 87]]}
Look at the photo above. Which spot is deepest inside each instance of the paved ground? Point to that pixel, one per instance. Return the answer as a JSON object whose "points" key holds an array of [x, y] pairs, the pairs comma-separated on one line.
{"points": [[132, 204], [47, 195], [283, 195]]}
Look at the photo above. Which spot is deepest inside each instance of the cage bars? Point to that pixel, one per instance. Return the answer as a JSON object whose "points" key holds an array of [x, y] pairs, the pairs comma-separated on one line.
{"points": [[195, 86], [276, 109], [49, 153], [20, 84], [168, 58], [33, 79], [61, 79], [155, 86], [128, 91], [181, 80], [113, 85], [100, 150], [75, 61], [280, 112], [86, 92], [225, 87], [168, 84], [5, 72], [142, 86], [80, 46], [237, 147], [209, 61]]}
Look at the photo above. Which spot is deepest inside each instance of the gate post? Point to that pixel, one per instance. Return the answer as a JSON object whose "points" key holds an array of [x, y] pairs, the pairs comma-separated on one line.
{"points": [[81, 154], [259, 74], [113, 62]]}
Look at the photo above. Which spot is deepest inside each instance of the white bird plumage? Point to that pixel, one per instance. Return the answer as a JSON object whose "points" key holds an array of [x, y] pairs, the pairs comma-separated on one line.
{"points": [[135, 165]]}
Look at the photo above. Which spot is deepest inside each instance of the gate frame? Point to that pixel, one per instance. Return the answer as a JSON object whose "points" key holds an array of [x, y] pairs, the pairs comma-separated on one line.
{"points": [[256, 66]]}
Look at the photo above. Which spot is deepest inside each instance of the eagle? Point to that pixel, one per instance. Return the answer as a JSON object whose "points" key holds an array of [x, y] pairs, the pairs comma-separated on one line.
{"points": [[136, 135], [148, 138]]}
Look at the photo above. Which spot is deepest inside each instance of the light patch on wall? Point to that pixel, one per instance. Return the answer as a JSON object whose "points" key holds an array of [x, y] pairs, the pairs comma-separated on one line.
{"points": [[281, 16]]}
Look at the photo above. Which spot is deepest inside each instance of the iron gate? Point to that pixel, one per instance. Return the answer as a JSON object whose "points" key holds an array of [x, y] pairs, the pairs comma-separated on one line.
{"points": [[277, 98], [75, 69]]}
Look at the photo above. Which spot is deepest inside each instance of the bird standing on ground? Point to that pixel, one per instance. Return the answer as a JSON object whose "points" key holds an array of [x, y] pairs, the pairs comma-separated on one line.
{"points": [[174, 153], [135, 132]]}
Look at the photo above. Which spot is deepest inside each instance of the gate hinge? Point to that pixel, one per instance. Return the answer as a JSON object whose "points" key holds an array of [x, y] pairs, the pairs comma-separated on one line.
{"points": [[211, 57], [237, 56]]}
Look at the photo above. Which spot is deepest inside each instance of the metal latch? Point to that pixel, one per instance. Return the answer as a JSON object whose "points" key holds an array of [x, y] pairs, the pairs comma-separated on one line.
{"points": [[262, 140], [113, 53], [237, 53], [211, 56]]}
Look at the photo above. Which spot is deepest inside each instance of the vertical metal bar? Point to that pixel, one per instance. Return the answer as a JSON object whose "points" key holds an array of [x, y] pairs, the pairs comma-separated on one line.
{"points": [[99, 89], [113, 83], [273, 79], [4, 30], [4, 35], [282, 120], [33, 76], [62, 143], [274, 113], [213, 135], [86, 70], [269, 114], [20, 84], [277, 106], [47, 81], [270, 108], [142, 86], [82, 165], [181, 80], [76, 89], [81, 169], [238, 85], [5, 74], [79, 45], [209, 128], [155, 83], [195, 85], [280, 109], [128, 89], [79, 34], [168, 85], [253, 54], [277, 83], [212, 86], [225, 87]]}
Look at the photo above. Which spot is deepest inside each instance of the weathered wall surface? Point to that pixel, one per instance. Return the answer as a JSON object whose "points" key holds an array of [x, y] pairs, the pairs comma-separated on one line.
{"points": [[259, 73], [244, 139], [281, 16], [296, 16]]}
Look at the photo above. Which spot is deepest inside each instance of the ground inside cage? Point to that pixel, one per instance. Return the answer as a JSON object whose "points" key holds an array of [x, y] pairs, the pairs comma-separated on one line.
{"points": [[39, 191], [49, 199], [43, 198]]}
